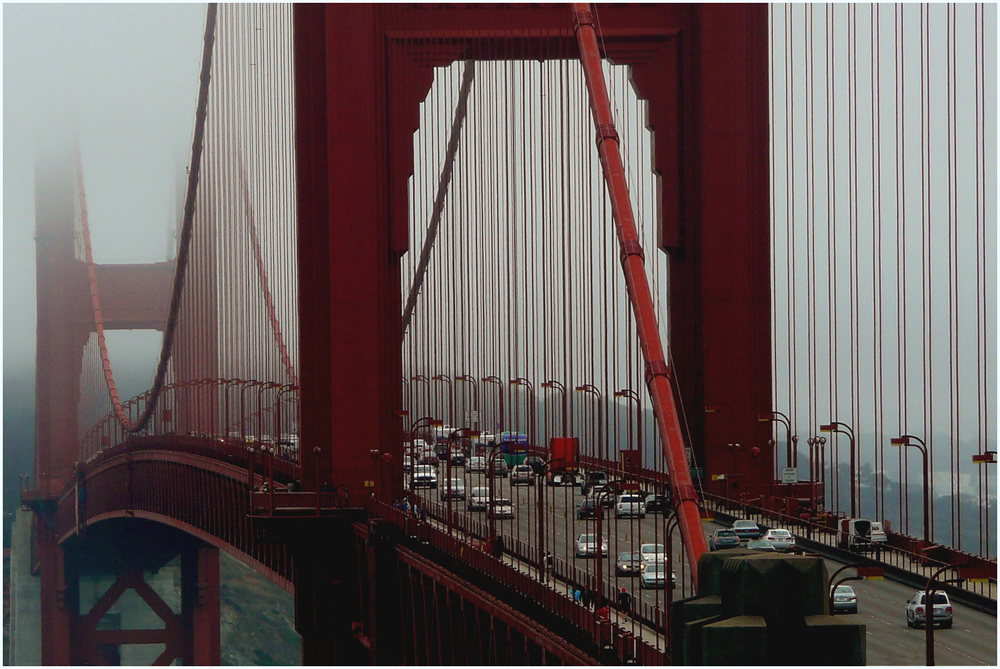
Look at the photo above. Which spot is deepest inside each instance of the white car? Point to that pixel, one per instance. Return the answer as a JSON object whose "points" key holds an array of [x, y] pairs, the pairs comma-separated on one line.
{"points": [[782, 540], [502, 508], [916, 615], [476, 464], [630, 504], [653, 575], [586, 546], [653, 553], [454, 488], [521, 474], [425, 476], [479, 499]]}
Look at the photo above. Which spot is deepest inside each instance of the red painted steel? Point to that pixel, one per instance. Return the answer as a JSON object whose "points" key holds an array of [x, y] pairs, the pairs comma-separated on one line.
{"points": [[657, 372]]}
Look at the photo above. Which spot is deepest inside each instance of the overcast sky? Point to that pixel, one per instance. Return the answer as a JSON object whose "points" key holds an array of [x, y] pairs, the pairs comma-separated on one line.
{"points": [[127, 75]]}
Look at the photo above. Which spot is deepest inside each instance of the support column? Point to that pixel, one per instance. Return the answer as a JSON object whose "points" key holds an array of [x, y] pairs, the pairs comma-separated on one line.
{"points": [[200, 597], [56, 617]]}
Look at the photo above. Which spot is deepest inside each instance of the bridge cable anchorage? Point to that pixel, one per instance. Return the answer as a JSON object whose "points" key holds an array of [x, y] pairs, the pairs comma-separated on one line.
{"points": [[671, 437]]}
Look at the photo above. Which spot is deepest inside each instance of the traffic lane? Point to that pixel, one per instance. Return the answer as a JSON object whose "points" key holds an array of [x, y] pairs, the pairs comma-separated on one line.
{"points": [[881, 605]]}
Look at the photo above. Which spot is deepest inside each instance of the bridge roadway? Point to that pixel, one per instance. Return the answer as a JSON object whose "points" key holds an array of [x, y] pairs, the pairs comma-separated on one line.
{"points": [[972, 641]]}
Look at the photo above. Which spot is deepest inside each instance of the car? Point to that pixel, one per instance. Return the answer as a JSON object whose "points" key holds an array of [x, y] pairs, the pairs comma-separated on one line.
{"points": [[782, 540], [761, 545], [630, 504], [536, 463], [586, 546], [597, 493], [653, 575], [428, 459], [453, 488], [500, 467], [457, 459], [502, 508], [479, 498], [522, 474], [594, 478], [652, 553], [916, 610], [746, 530], [587, 509], [407, 463], [880, 540], [475, 464], [424, 476], [845, 600], [723, 539], [628, 564], [656, 504], [561, 478]]}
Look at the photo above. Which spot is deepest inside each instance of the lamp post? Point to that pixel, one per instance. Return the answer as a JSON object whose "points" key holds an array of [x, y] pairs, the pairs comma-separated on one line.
{"points": [[922, 447], [288, 387], [409, 396], [562, 389], [815, 466], [423, 379], [593, 390], [836, 427], [461, 433], [499, 383], [491, 473], [521, 381], [929, 591], [267, 385], [471, 380], [430, 420], [451, 396], [630, 394], [984, 458], [612, 488], [778, 417]]}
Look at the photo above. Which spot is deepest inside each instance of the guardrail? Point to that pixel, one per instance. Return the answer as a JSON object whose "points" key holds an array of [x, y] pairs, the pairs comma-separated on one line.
{"points": [[468, 543], [906, 566]]}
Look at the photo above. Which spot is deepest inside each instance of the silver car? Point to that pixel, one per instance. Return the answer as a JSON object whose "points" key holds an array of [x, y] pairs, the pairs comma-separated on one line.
{"points": [[653, 575], [521, 474], [845, 600], [586, 546], [916, 614]]}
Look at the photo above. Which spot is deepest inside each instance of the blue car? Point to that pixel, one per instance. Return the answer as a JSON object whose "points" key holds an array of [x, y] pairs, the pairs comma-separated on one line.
{"points": [[723, 539]]}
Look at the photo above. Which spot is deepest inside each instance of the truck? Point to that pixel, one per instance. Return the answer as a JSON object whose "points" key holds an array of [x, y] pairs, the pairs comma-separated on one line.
{"points": [[855, 535]]}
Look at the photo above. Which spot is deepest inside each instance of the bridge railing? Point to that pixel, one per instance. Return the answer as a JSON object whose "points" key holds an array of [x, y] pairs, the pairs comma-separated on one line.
{"points": [[476, 533], [823, 530], [469, 546]]}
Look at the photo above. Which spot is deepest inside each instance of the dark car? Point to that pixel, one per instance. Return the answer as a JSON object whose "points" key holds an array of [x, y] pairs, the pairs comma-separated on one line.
{"points": [[428, 459], [536, 463], [628, 563], [657, 504], [457, 459], [723, 539], [587, 509], [595, 479]]}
